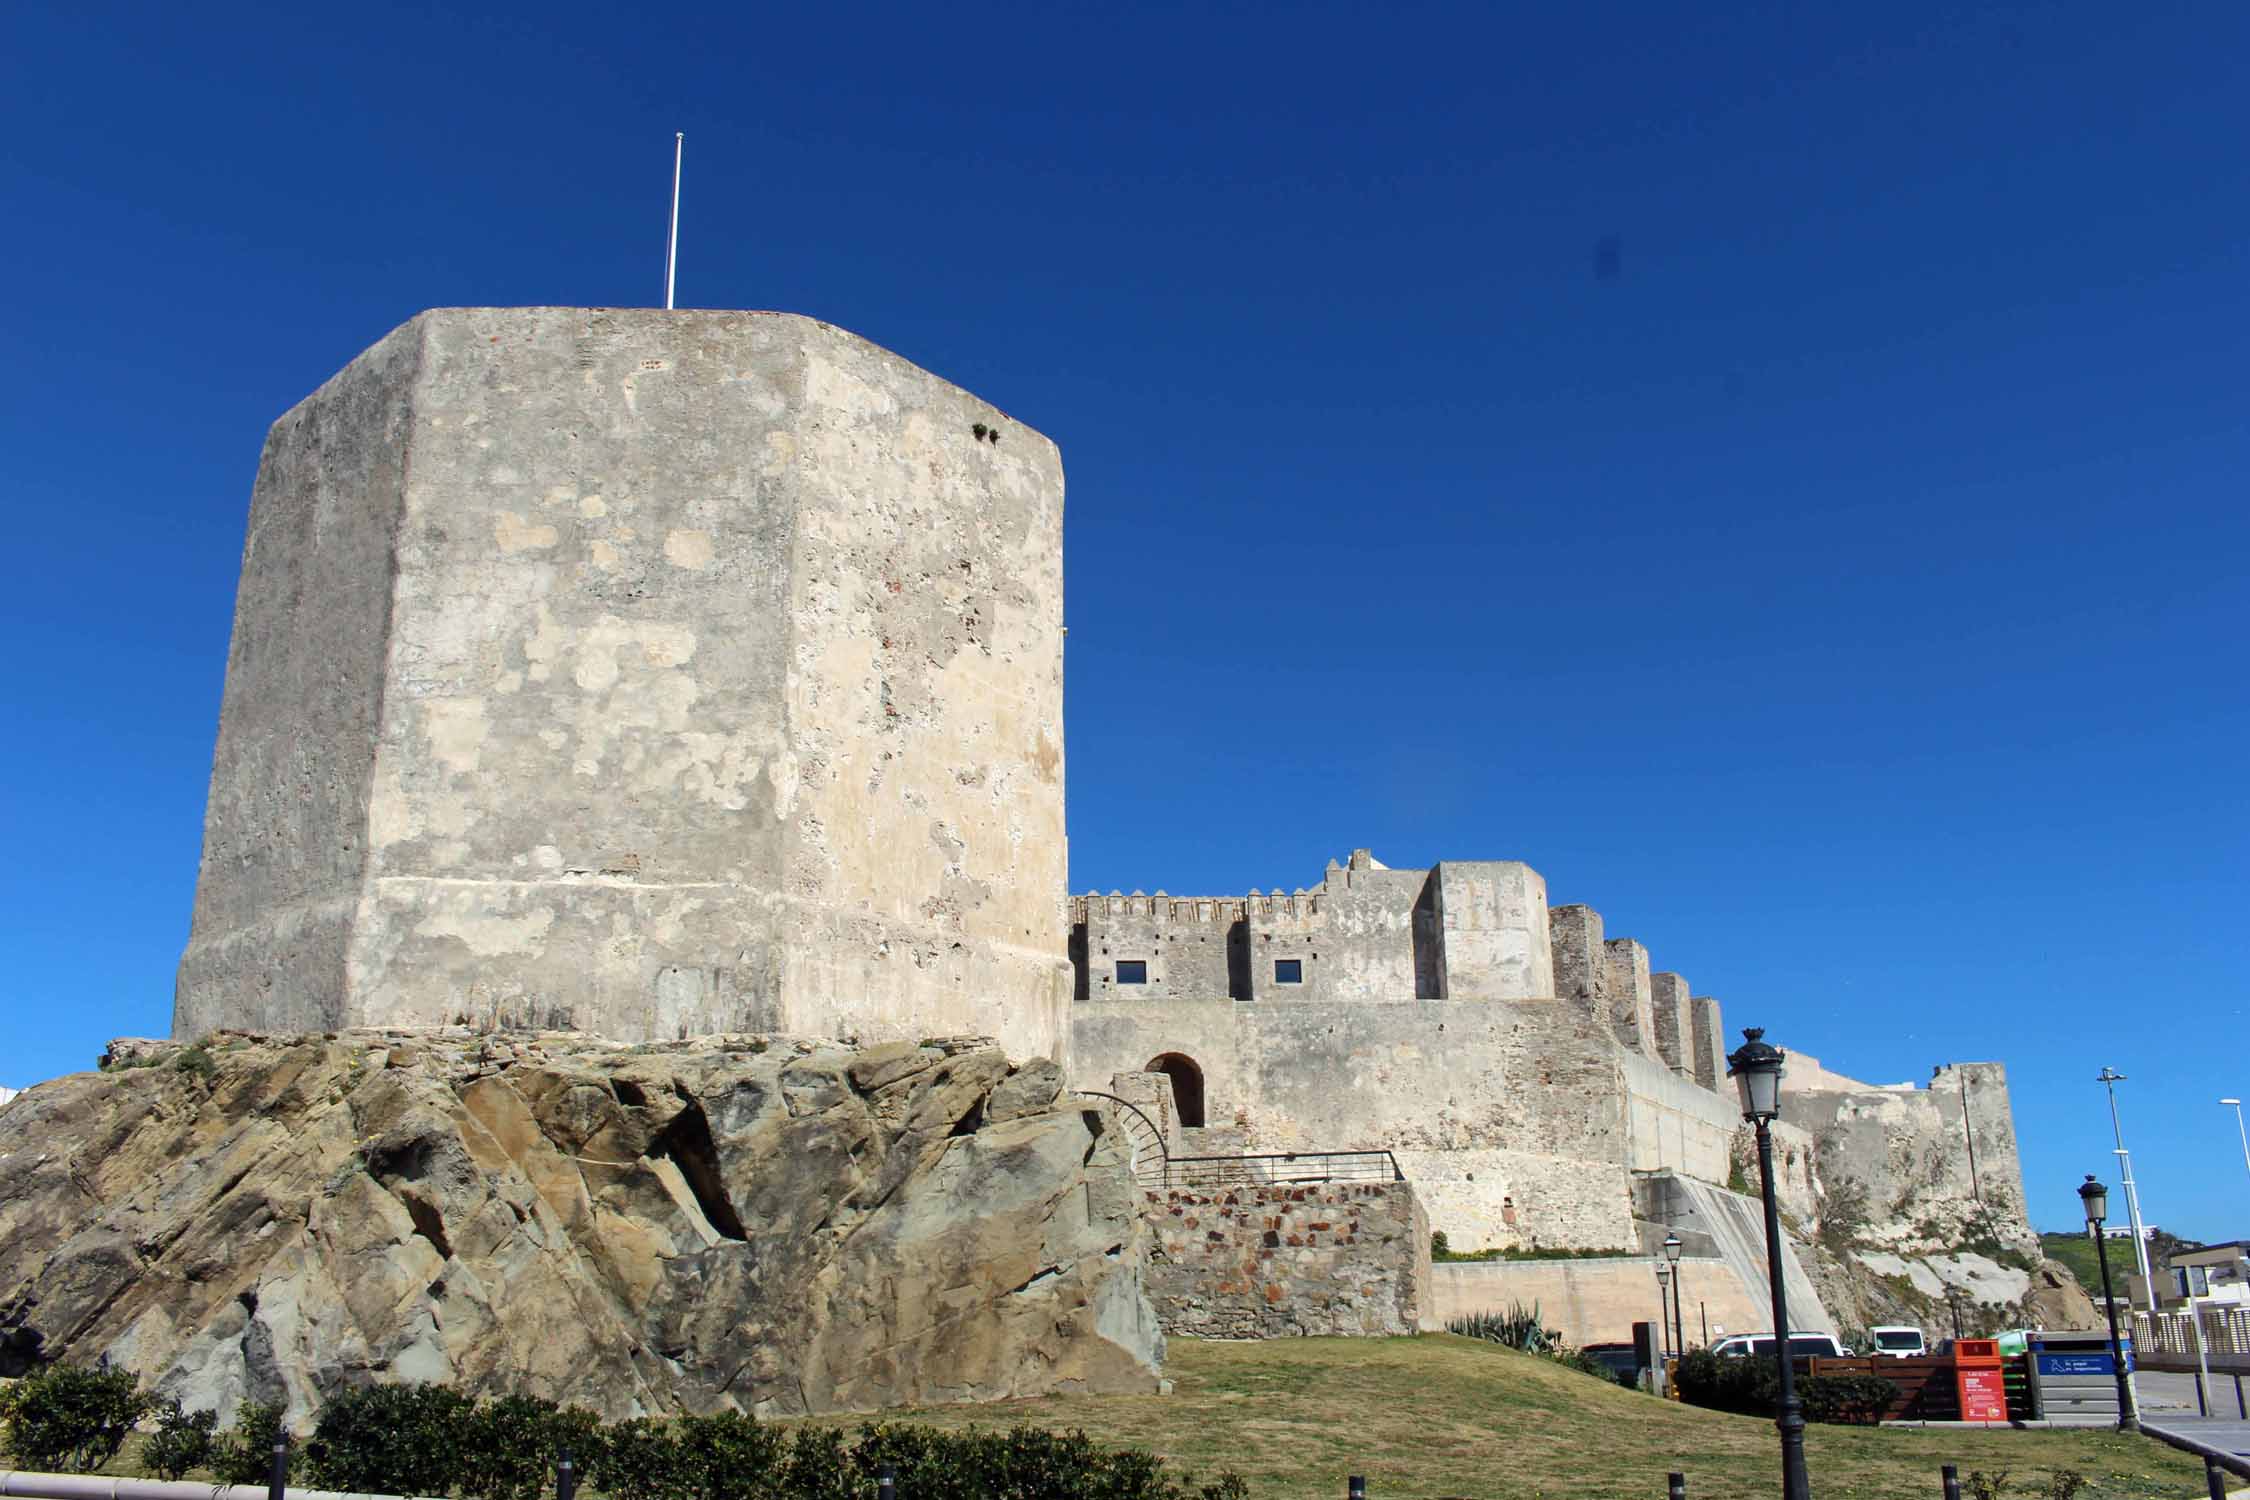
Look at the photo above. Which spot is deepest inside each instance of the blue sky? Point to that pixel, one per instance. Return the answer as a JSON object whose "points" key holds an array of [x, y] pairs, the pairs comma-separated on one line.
{"points": [[1780, 473]]}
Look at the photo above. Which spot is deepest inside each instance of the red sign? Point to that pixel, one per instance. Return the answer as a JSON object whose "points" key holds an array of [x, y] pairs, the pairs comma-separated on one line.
{"points": [[1984, 1394]]}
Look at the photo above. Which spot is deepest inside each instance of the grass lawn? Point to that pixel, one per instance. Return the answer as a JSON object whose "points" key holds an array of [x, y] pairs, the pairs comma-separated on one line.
{"points": [[1438, 1416]]}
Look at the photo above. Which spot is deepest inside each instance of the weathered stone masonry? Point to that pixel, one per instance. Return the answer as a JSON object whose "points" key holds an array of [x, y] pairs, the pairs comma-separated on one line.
{"points": [[1254, 1261], [650, 674]]}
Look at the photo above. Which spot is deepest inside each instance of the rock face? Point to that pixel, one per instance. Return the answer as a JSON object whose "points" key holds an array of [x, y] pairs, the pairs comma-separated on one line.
{"points": [[643, 673], [739, 1222]]}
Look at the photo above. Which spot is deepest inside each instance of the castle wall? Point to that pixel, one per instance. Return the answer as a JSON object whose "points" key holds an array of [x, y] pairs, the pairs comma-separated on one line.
{"points": [[1382, 935], [1290, 1260], [717, 687], [1916, 1169], [1674, 1124], [1598, 1301], [1668, 1003], [1707, 1046], [1625, 990], [1510, 1119], [1492, 921], [284, 837]]}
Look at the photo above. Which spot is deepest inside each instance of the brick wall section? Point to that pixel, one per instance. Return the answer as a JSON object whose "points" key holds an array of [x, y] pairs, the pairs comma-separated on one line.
{"points": [[1251, 1262]]}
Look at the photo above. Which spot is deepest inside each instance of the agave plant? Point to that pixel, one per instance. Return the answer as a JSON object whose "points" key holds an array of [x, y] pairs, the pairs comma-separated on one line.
{"points": [[1518, 1328]]}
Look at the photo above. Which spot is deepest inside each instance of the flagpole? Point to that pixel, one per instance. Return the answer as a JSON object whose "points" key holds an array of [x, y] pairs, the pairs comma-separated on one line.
{"points": [[672, 246]]}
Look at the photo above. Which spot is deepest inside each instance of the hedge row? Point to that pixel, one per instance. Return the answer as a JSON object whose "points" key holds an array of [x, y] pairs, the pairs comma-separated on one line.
{"points": [[1752, 1388], [429, 1440]]}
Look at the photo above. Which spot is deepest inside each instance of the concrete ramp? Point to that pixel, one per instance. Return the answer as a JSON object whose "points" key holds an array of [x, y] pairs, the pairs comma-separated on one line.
{"points": [[1730, 1227]]}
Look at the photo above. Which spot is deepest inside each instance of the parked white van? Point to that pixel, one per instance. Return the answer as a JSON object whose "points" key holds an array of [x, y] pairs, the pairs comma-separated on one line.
{"points": [[1898, 1342], [1760, 1345]]}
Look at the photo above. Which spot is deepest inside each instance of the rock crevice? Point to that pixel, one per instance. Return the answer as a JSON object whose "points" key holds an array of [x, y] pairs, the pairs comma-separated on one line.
{"points": [[760, 1223]]}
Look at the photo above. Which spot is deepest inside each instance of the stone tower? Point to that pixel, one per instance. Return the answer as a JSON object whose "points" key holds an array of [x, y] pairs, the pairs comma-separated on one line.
{"points": [[646, 673]]}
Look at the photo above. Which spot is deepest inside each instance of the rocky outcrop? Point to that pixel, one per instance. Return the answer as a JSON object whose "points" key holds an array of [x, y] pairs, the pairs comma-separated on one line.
{"points": [[734, 1222]]}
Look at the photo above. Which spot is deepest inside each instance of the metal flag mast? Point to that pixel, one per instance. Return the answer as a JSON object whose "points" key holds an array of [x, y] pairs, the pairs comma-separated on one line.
{"points": [[2110, 1078], [672, 245]]}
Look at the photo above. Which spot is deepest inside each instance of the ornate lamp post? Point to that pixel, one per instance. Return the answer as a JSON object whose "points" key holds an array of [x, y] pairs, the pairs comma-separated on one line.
{"points": [[1755, 1067], [1679, 1293], [2096, 1198]]}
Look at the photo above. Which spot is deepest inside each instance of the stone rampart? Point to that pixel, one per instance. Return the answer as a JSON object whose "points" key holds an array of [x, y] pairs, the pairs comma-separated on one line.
{"points": [[649, 674], [1313, 1259], [1597, 1301], [1916, 1169]]}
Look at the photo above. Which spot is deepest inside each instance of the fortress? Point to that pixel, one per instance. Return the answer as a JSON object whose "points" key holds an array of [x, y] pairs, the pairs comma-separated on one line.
{"points": [[669, 674]]}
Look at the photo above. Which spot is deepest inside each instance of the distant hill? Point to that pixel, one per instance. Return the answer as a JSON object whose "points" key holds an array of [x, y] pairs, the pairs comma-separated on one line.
{"points": [[2076, 1251]]}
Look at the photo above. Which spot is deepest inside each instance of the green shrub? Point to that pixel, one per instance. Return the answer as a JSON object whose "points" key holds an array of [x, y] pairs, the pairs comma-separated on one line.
{"points": [[1746, 1386], [182, 1442], [1583, 1363], [70, 1418], [1517, 1328], [1846, 1400], [427, 1440], [243, 1454], [1751, 1388], [639, 1460], [511, 1445], [390, 1440], [1026, 1461]]}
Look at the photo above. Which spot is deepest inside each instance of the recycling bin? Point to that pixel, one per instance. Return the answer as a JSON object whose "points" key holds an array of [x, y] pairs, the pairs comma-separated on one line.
{"points": [[1979, 1378]]}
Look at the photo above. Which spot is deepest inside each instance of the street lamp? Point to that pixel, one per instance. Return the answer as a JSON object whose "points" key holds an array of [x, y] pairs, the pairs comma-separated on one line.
{"points": [[2096, 1198], [2238, 1130], [1663, 1309], [1679, 1292], [2109, 1078], [1756, 1069]]}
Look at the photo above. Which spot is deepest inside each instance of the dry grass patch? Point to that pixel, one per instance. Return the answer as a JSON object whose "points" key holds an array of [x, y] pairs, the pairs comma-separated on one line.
{"points": [[1438, 1417]]}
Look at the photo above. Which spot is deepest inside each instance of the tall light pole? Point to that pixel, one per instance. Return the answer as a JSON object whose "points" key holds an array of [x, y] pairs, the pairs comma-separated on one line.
{"points": [[1679, 1293], [2238, 1130], [1756, 1068], [2110, 1078], [1663, 1311], [2095, 1199]]}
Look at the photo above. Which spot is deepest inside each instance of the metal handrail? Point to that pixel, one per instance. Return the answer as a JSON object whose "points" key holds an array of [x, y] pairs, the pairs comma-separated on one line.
{"points": [[1283, 1166], [1146, 1168]]}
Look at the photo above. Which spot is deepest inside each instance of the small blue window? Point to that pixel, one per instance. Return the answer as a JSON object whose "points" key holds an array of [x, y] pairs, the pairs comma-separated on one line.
{"points": [[1288, 971], [1132, 971]]}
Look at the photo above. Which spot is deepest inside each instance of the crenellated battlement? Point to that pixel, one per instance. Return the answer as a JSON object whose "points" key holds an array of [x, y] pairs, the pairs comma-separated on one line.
{"points": [[1456, 931], [1299, 905]]}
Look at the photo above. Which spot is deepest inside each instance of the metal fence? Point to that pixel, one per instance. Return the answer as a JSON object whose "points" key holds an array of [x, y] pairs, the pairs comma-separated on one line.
{"points": [[1281, 1167], [2226, 1330]]}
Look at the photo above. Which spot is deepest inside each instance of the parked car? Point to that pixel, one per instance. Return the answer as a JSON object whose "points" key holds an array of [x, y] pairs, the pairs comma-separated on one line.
{"points": [[1621, 1360], [1897, 1341], [1760, 1345]]}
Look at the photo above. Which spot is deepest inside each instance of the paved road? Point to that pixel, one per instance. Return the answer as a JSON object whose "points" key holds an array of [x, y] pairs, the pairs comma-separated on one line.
{"points": [[2170, 1399]]}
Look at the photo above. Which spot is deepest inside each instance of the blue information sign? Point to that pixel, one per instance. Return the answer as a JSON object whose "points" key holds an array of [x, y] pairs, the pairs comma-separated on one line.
{"points": [[2075, 1364]]}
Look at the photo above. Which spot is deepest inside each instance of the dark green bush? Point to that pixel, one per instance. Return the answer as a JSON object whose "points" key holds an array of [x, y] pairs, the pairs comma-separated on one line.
{"points": [[1846, 1400], [182, 1442], [1026, 1463], [243, 1454], [511, 1445], [390, 1440], [428, 1440], [1750, 1387], [70, 1418], [1746, 1386]]}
